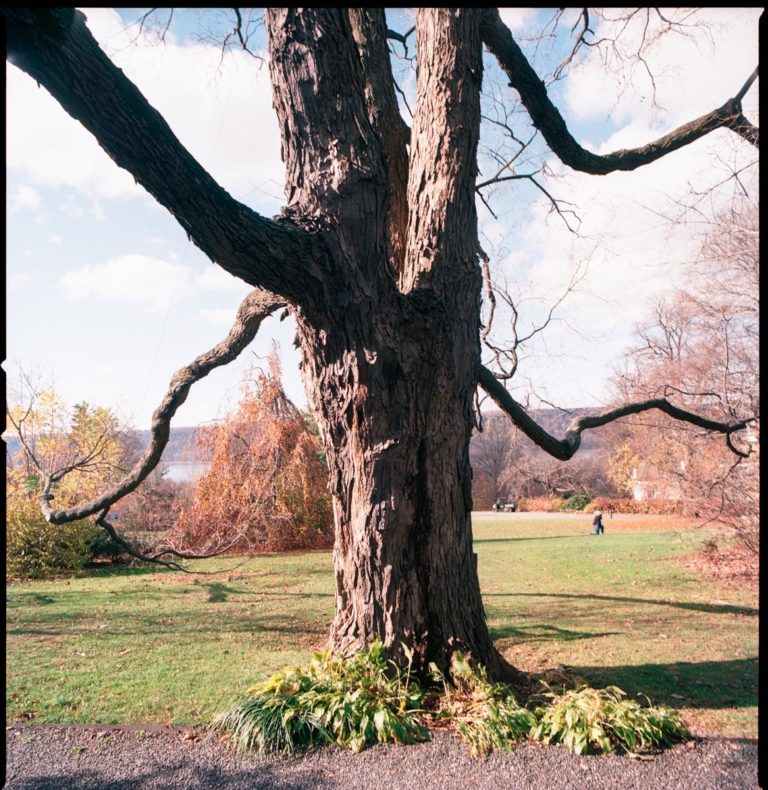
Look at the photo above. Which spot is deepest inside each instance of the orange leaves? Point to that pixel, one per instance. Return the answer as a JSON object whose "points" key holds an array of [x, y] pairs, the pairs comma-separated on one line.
{"points": [[267, 487]]}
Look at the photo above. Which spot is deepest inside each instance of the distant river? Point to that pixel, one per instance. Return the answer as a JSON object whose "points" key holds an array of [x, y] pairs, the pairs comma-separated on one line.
{"points": [[183, 471]]}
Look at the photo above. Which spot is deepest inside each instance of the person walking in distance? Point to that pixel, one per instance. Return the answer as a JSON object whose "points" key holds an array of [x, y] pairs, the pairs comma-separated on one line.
{"points": [[597, 524]]}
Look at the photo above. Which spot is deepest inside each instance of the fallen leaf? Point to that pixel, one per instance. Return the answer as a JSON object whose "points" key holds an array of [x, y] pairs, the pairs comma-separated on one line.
{"points": [[126, 650]]}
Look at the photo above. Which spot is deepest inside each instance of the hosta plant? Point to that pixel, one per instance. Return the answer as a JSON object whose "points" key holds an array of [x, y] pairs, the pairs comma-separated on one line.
{"points": [[586, 719], [351, 702], [487, 714]]}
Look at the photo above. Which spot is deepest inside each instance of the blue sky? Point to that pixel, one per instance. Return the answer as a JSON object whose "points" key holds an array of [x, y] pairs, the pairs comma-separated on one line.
{"points": [[106, 297]]}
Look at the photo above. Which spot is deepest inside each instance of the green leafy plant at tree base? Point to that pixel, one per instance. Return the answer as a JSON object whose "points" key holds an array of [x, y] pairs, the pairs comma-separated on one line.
{"points": [[585, 719], [488, 715], [357, 702], [352, 703]]}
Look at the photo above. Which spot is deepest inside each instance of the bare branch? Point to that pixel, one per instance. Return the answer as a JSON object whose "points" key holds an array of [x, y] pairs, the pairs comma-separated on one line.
{"points": [[580, 41], [156, 558], [401, 37], [489, 293], [253, 310], [747, 85], [547, 118], [567, 447], [506, 357], [142, 22]]}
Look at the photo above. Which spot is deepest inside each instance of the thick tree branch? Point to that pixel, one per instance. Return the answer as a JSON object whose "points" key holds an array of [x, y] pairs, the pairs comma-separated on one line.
{"points": [[253, 310], [336, 164], [547, 119], [370, 33], [55, 47], [442, 244], [563, 449]]}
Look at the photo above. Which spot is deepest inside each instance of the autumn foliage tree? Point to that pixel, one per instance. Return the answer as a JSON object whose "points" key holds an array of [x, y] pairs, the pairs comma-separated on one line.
{"points": [[267, 486], [55, 439]]}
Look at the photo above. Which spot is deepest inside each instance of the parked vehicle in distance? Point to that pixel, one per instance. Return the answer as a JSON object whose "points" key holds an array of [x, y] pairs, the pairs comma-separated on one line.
{"points": [[504, 506]]}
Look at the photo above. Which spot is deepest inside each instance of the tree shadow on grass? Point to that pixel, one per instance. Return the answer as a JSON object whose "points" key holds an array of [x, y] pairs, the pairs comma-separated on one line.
{"points": [[709, 608], [683, 684], [543, 632], [110, 570], [178, 624], [532, 537], [218, 592]]}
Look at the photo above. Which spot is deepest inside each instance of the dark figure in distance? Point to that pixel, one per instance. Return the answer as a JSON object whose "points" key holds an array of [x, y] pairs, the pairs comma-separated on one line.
{"points": [[597, 523]]}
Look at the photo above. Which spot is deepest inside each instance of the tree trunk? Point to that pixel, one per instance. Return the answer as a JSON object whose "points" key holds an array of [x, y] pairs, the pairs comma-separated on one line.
{"points": [[390, 347], [395, 414]]}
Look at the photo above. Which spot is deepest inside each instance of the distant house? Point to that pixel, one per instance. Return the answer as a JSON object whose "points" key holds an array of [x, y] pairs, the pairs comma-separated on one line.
{"points": [[649, 482]]}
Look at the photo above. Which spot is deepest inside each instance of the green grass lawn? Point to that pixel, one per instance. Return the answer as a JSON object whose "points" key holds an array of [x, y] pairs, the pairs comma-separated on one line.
{"points": [[141, 646]]}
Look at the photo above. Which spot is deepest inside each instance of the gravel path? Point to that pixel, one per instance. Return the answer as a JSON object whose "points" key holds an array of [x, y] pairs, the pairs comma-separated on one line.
{"points": [[108, 757]]}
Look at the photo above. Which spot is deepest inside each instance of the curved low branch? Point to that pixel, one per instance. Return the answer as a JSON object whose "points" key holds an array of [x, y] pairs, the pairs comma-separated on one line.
{"points": [[157, 557], [252, 311], [547, 118], [564, 449], [55, 47]]}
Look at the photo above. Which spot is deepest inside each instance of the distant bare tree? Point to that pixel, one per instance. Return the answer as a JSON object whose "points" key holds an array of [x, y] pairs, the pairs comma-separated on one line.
{"points": [[491, 454], [702, 347]]}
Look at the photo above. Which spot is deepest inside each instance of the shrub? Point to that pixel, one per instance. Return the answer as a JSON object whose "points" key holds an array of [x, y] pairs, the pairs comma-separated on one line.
{"points": [[488, 715], [650, 506], [36, 549], [577, 502], [352, 703], [543, 504], [102, 545], [359, 701], [267, 487], [585, 719]]}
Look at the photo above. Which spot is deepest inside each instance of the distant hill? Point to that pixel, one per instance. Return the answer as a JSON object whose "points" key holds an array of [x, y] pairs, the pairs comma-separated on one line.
{"points": [[180, 447], [556, 422], [181, 444]]}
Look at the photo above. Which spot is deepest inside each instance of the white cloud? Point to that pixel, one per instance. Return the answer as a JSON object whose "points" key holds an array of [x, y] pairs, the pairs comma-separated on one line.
{"points": [[516, 19], [23, 196], [19, 282], [155, 284], [150, 283], [214, 278], [220, 109], [51, 149], [54, 238], [224, 316]]}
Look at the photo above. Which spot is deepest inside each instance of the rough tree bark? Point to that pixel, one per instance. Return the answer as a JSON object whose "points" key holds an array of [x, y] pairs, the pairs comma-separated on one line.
{"points": [[377, 256], [390, 371]]}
